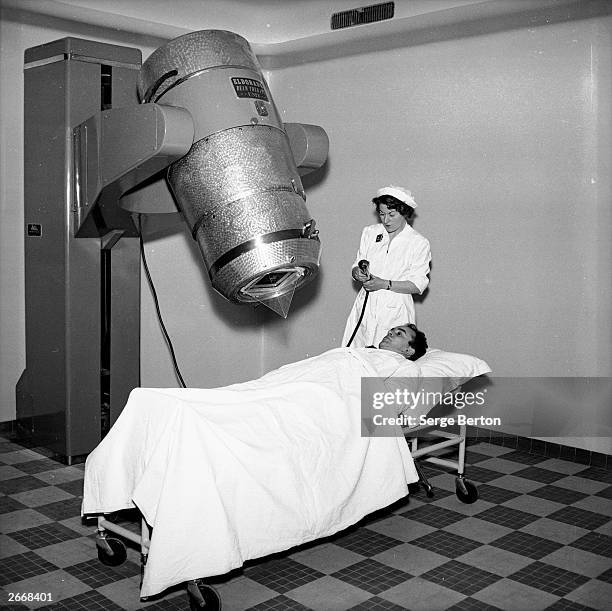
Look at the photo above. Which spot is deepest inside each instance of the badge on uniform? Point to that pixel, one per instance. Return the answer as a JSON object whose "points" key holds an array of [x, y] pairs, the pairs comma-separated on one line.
{"points": [[379, 237]]}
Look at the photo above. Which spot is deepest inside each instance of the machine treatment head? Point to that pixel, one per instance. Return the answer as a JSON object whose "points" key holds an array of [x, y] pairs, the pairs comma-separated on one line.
{"points": [[238, 187]]}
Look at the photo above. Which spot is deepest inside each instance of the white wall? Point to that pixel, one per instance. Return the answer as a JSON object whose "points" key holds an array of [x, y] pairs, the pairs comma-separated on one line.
{"points": [[505, 141], [503, 138]]}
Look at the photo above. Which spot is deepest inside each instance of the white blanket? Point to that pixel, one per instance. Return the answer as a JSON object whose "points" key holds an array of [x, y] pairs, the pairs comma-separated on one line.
{"points": [[225, 475]]}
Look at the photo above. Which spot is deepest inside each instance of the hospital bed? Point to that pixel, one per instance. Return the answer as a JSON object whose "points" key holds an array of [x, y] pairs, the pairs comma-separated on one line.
{"points": [[176, 455]]}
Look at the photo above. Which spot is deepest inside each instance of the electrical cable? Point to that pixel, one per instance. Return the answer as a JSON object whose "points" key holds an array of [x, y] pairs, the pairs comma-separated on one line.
{"points": [[364, 266], [155, 300]]}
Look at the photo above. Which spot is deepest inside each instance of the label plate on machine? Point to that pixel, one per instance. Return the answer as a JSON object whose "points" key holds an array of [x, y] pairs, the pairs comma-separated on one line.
{"points": [[249, 88]]}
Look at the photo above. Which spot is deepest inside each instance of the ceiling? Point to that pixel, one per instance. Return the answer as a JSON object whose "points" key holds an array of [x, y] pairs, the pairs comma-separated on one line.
{"points": [[260, 21]]}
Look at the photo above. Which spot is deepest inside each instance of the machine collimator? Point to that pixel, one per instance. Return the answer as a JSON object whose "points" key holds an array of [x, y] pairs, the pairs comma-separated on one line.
{"points": [[107, 138], [238, 187]]}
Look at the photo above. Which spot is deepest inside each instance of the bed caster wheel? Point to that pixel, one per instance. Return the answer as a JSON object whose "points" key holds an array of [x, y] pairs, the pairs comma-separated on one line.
{"points": [[111, 552], [466, 491], [428, 490], [202, 596]]}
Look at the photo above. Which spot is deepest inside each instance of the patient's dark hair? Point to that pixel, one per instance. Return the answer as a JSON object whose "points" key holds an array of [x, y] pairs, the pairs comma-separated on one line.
{"points": [[418, 344]]}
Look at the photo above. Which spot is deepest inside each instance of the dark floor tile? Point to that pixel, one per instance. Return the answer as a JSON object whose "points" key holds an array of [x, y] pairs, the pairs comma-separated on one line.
{"points": [[579, 517], [282, 574], [88, 601], [567, 605], [606, 493], [506, 516], [495, 494], [366, 542], [461, 577], [418, 492], [371, 576], [481, 475], [39, 466], [558, 494], [596, 543], [375, 603], [537, 474], [20, 484], [8, 504], [279, 603], [22, 566], [95, 574], [471, 604], [472, 457], [524, 458], [596, 473], [606, 576], [43, 535], [548, 578], [176, 603], [524, 544], [433, 515], [61, 510], [74, 487], [445, 543]]}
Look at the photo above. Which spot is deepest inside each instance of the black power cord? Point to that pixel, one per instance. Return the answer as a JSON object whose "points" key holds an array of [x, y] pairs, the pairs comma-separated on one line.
{"points": [[177, 371]]}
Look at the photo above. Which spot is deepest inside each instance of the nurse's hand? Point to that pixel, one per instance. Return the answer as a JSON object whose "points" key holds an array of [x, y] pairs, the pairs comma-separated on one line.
{"points": [[359, 275], [375, 284]]}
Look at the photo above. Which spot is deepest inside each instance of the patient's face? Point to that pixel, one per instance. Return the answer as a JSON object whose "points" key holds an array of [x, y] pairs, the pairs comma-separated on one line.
{"points": [[398, 340]]}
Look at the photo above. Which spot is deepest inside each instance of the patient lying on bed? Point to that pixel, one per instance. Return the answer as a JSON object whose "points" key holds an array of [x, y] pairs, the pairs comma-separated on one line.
{"points": [[227, 474]]}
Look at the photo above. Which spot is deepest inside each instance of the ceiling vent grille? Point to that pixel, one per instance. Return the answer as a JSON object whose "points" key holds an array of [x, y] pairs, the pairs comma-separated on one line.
{"points": [[365, 14]]}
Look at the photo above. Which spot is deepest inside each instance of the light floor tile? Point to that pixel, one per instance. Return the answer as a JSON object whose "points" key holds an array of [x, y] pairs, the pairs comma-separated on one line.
{"points": [[578, 561], [19, 456], [594, 594], [533, 504], [554, 530], [69, 553], [327, 558], [478, 530], [58, 584], [241, 593], [401, 528], [421, 595], [126, 594], [605, 529], [445, 481], [597, 504], [495, 560], [76, 523], [328, 594], [561, 466], [466, 509], [42, 496], [516, 484], [581, 484], [9, 472], [59, 476], [513, 596], [411, 559], [10, 547], [501, 465], [21, 519], [491, 449]]}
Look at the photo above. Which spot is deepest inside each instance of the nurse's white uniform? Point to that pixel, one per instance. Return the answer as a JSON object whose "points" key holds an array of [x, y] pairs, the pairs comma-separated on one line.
{"points": [[407, 257]]}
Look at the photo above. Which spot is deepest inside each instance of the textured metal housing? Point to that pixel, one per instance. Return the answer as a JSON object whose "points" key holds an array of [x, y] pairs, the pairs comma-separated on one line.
{"points": [[238, 187]]}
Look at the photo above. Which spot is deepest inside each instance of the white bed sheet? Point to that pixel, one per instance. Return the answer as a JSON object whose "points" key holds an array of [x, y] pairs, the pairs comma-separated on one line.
{"points": [[226, 475]]}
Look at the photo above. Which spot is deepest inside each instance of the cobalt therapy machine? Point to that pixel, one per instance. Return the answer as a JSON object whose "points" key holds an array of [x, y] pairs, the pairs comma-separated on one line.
{"points": [[194, 128]]}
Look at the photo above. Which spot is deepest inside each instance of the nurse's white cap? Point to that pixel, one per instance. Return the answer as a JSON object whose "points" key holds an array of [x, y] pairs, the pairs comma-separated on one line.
{"points": [[403, 195]]}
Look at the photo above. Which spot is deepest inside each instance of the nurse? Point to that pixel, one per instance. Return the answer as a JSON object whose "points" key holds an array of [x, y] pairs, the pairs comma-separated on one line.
{"points": [[398, 259]]}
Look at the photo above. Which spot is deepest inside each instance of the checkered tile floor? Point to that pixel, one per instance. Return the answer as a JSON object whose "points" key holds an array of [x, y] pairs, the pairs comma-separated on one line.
{"points": [[539, 537]]}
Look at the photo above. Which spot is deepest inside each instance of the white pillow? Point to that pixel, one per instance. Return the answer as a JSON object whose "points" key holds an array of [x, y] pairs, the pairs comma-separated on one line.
{"points": [[455, 367], [452, 368], [440, 372]]}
